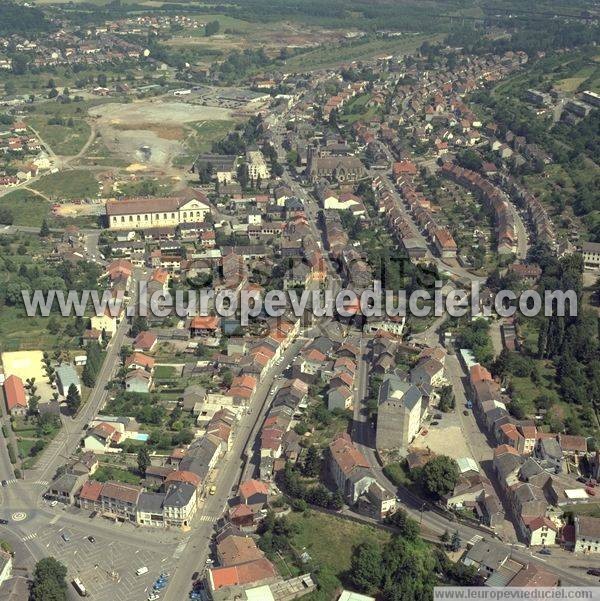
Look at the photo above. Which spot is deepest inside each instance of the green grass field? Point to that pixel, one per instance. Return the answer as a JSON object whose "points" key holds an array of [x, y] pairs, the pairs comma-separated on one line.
{"points": [[201, 137], [330, 541], [111, 472], [18, 332], [68, 185], [27, 208], [164, 372], [62, 139], [328, 56]]}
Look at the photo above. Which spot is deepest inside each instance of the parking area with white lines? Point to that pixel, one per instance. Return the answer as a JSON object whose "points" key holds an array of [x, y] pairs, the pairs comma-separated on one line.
{"points": [[106, 567]]}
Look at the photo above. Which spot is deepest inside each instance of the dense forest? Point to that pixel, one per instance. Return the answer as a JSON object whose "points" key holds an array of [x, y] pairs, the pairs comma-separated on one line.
{"points": [[17, 18]]}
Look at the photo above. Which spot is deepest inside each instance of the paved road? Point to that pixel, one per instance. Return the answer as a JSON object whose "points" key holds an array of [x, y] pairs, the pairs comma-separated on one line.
{"points": [[68, 439], [229, 474]]}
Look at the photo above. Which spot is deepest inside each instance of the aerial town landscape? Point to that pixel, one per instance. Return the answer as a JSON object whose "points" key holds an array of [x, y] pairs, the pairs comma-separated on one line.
{"points": [[156, 150]]}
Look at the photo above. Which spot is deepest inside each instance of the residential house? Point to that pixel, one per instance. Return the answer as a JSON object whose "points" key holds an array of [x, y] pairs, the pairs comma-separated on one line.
{"points": [[138, 380], [180, 504], [145, 342], [119, 501], [99, 438], [65, 487], [349, 468], [587, 534]]}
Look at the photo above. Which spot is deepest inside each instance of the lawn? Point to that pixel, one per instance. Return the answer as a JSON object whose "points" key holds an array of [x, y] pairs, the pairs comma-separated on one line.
{"points": [[30, 209], [357, 109], [327, 56], [63, 139], [25, 445], [68, 185], [165, 372], [27, 208], [526, 390], [330, 542], [201, 137], [18, 332], [591, 509], [110, 472]]}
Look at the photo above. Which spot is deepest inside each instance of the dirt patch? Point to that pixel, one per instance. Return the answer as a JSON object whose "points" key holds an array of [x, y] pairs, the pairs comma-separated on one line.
{"points": [[167, 133], [150, 133], [436, 439]]}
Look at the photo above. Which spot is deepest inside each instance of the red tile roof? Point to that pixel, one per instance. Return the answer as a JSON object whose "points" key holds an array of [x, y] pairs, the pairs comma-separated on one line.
{"points": [[245, 573], [91, 490], [346, 455], [208, 322], [144, 341], [253, 487], [184, 476], [14, 392]]}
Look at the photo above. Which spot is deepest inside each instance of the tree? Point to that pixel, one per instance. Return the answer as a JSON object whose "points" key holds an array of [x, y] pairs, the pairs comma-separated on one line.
{"points": [[49, 582], [408, 528], [312, 462], [44, 230], [93, 364], [143, 460], [73, 398], [455, 542], [138, 324], [211, 28], [440, 475], [6, 216], [366, 569], [34, 400], [446, 403]]}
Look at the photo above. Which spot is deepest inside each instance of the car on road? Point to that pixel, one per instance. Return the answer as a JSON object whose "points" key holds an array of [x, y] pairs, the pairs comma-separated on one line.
{"points": [[594, 572], [93, 515], [465, 412], [4, 483], [212, 490], [3, 521], [545, 551]]}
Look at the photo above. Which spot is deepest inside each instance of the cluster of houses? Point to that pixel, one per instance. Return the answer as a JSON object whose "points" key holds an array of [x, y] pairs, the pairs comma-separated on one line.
{"points": [[539, 472], [23, 152], [404, 173], [398, 224], [494, 200], [496, 567], [171, 492], [404, 399]]}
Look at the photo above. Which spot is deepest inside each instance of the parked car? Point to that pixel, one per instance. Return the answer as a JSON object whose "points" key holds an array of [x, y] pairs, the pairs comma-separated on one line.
{"points": [[594, 572], [545, 551], [3, 521], [66, 537], [91, 539]]}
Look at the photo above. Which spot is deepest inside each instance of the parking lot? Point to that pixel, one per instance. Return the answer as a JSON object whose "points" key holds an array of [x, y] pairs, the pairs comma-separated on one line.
{"points": [[106, 567]]}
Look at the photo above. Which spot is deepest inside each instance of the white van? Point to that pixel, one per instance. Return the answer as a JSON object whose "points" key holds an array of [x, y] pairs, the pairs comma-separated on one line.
{"points": [[141, 571]]}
